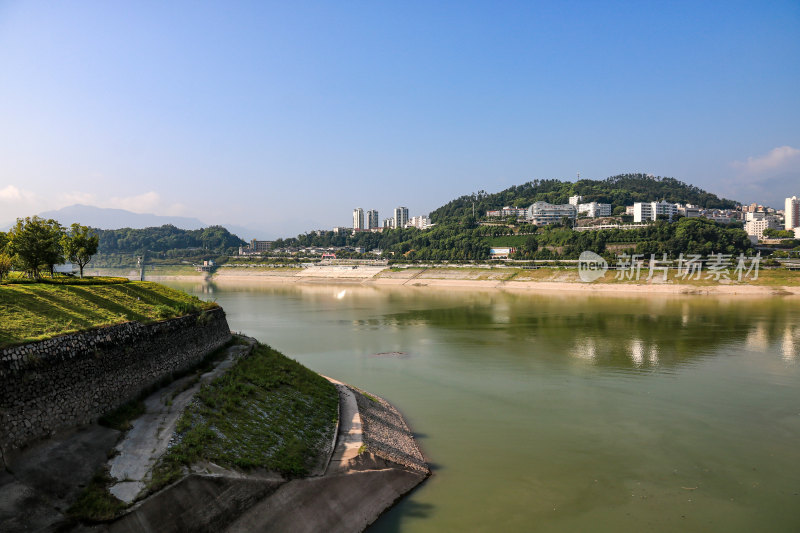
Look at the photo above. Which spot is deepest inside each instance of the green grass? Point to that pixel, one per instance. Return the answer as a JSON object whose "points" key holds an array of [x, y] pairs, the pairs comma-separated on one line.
{"points": [[35, 311], [267, 411]]}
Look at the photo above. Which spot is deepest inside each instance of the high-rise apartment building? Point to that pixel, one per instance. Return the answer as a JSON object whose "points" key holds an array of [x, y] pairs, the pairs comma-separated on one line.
{"points": [[791, 213], [400, 217], [372, 219], [358, 218]]}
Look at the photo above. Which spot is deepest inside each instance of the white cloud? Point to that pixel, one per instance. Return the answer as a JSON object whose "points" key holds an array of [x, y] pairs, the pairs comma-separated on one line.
{"points": [[77, 197], [177, 209], [16, 202], [148, 202], [10, 193], [780, 159]]}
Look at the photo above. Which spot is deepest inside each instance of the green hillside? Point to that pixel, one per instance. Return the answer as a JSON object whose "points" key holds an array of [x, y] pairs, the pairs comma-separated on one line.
{"points": [[621, 190]]}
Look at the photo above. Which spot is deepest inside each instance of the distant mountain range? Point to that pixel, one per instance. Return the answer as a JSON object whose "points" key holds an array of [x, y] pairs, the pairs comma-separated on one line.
{"points": [[106, 218]]}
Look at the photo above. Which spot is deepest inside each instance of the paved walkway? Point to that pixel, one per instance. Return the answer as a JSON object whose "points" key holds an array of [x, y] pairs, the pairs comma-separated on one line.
{"points": [[349, 438]]}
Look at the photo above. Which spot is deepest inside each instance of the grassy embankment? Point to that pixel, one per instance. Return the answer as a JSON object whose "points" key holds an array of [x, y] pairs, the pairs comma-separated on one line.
{"points": [[267, 412], [36, 311]]}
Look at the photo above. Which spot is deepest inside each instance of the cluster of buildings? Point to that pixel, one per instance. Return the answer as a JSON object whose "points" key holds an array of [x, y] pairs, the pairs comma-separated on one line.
{"points": [[756, 218], [760, 218], [370, 222], [543, 213]]}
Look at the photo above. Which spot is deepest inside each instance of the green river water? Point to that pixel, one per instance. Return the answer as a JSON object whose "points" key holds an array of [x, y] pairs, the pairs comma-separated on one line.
{"points": [[562, 412]]}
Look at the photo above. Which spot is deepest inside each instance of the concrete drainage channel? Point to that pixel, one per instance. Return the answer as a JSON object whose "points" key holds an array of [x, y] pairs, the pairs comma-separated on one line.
{"points": [[372, 463]]}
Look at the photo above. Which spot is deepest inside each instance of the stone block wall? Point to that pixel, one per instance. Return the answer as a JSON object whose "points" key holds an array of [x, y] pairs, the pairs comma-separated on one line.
{"points": [[71, 380]]}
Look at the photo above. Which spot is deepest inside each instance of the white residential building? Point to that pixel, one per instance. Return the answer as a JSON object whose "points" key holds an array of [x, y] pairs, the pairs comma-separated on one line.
{"points": [[420, 222], [372, 219], [791, 213], [388, 223], [755, 227], [508, 211], [543, 213], [651, 210], [595, 210], [400, 217], [358, 219], [575, 200]]}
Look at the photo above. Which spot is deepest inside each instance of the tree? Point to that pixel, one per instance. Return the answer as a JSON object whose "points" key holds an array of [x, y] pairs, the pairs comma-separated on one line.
{"points": [[36, 243], [3, 241], [80, 244], [531, 244], [5, 265]]}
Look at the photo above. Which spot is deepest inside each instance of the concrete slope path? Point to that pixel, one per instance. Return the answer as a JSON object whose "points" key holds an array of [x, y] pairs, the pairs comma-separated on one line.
{"points": [[150, 434], [349, 438]]}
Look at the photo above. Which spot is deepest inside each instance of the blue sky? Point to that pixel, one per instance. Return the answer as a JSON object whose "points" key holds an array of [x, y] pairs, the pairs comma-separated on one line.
{"points": [[287, 115]]}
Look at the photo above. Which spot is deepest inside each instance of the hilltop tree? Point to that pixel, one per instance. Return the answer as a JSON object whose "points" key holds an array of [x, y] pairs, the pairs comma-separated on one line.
{"points": [[80, 244], [5, 265], [36, 243]]}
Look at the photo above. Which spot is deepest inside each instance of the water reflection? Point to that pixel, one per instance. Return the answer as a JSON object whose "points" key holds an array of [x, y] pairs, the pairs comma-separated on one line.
{"points": [[657, 331]]}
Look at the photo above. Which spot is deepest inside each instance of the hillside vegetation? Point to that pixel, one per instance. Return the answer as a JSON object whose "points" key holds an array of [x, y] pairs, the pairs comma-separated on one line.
{"points": [[35, 311], [621, 190], [167, 238]]}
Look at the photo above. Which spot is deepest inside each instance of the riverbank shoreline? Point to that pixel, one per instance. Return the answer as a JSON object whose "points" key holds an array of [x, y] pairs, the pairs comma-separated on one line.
{"points": [[502, 279], [519, 286]]}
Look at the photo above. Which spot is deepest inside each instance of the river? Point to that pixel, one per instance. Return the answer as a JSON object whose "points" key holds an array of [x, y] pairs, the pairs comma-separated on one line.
{"points": [[562, 413]]}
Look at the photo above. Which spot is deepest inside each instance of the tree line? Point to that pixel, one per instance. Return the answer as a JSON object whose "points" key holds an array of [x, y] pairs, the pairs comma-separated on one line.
{"points": [[34, 245], [168, 238]]}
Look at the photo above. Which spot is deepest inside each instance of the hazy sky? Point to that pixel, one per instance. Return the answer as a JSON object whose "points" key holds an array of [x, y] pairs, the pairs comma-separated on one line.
{"points": [[287, 115]]}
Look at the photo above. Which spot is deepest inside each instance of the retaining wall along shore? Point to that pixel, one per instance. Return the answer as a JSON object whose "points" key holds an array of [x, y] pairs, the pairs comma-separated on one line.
{"points": [[74, 379]]}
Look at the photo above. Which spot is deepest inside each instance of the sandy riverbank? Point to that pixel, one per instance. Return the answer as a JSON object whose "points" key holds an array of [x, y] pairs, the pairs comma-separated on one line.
{"points": [[472, 279]]}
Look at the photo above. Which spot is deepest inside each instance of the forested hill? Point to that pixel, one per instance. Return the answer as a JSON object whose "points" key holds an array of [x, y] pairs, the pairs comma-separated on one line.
{"points": [[165, 238], [621, 190]]}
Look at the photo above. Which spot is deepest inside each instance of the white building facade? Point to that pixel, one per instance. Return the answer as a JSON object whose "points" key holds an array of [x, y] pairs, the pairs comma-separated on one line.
{"points": [[358, 219], [791, 213], [643, 211], [594, 209], [755, 226], [400, 217], [372, 219], [543, 213]]}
